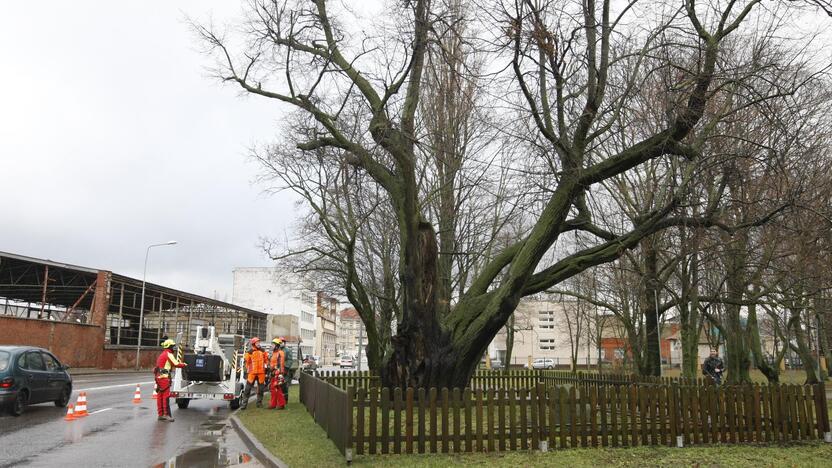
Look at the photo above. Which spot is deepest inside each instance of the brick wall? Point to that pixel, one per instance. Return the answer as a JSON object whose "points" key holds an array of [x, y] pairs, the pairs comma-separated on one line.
{"points": [[74, 344], [124, 357]]}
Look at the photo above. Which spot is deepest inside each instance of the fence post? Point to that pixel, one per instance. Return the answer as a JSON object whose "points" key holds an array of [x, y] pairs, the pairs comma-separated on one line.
{"points": [[819, 393], [359, 420], [456, 403], [385, 420], [348, 414], [408, 418], [397, 420]]}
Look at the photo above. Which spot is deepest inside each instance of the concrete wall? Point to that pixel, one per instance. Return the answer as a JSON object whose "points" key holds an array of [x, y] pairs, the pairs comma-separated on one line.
{"points": [[74, 344], [282, 325]]}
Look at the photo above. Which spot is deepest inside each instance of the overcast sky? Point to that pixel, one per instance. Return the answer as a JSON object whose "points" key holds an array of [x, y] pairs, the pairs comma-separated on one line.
{"points": [[113, 137]]}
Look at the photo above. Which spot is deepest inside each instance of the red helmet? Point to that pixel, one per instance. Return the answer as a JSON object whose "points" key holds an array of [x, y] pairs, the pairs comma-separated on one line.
{"points": [[255, 341]]}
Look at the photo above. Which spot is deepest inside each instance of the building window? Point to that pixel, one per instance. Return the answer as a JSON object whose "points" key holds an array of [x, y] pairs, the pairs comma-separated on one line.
{"points": [[547, 343]]}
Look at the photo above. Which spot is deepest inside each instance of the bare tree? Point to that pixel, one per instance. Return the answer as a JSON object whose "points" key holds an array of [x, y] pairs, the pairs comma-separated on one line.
{"points": [[575, 66]]}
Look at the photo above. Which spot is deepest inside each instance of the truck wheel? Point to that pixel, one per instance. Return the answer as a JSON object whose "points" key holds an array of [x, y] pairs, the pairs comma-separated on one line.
{"points": [[234, 404], [183, 403]]}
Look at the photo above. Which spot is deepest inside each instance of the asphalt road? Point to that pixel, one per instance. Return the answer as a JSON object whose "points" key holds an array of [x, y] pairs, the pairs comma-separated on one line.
{"points": [[119, 433]]}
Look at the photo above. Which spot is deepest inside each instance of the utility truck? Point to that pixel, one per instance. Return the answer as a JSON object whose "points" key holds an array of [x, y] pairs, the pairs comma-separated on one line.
{"points": [[214, 371]]}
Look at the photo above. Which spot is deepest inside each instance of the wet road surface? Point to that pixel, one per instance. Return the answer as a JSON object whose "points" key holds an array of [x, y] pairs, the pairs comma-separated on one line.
{"points": [[119, 433]]}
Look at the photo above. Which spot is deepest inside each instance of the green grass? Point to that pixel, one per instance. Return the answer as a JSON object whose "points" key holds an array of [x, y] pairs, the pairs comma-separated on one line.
{"points": [[293, 436]]}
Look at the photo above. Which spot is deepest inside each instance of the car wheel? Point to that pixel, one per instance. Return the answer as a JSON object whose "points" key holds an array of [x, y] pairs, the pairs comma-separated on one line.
{"points": [[20, 403], [62, 401], [183, 403], [234, 404], [549, 367]]}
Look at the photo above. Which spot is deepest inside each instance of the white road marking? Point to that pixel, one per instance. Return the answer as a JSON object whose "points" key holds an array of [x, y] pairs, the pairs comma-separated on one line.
{"points": [[112, 386], [99, 411]]}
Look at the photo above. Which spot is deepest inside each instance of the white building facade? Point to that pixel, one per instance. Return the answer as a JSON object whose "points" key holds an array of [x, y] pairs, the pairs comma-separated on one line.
{"points": [[269, 290], [546, 329]]}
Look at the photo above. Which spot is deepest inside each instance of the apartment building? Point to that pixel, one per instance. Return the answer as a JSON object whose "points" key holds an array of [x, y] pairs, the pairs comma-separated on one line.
{"points": [[326, 328], [546, 329], [275, 292], [351, 333]]}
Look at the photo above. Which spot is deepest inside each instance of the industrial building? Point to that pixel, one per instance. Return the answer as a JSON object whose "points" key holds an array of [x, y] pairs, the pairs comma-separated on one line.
{"points": [[90, 317]]}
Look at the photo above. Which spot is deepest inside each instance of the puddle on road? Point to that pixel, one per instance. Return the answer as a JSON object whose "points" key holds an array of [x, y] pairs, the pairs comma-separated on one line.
{"points": [[208, 457], [212, 451]]}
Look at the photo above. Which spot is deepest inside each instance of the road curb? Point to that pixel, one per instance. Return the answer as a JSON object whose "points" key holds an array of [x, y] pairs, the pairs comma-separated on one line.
{"points": [[259, 451]]}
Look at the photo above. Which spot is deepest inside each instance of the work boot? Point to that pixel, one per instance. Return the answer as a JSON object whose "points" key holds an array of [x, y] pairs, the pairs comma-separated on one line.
{"points": [[161, 418], [169, 418]]}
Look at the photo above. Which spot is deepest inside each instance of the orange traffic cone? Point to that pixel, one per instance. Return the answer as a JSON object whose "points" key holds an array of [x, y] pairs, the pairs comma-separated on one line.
{"points": [[81, 405], [155, 395], [70, 413], [137, 396]]}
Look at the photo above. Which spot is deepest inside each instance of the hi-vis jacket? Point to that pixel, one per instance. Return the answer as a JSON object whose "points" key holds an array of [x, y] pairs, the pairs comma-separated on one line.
{"points": [[278, 361], [165, 363], [256, 362]]}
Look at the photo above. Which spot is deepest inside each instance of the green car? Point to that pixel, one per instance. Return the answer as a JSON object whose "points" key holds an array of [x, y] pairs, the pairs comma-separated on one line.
{"points": [[30, 375]]}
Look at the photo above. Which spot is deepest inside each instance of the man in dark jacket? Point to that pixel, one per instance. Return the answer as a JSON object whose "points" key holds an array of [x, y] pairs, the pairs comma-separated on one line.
{"points": [[713, 367]]}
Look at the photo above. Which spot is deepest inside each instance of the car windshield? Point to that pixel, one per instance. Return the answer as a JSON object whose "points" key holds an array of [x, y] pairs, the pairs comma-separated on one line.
{"points": [[5, 358]]}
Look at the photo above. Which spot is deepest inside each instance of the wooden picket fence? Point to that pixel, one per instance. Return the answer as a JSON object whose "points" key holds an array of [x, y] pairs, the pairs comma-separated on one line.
{"points": [[542, 417], [485, 380], [330, 406]]}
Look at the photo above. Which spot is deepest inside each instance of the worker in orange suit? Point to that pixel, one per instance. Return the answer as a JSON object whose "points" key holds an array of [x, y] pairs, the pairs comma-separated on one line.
{"points": [[165, 364], [277, 364], [255, 360]]}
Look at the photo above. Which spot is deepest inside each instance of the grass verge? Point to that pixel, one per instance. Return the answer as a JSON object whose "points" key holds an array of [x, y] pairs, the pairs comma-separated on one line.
{"points": [[293, 436]]}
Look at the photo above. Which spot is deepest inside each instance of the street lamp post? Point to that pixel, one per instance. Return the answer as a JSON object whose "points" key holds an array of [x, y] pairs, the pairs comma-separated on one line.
{"points": [[141, 307]]}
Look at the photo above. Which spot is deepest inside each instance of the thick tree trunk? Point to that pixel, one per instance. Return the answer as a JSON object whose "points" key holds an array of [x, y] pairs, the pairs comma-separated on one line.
{"points": [[737, 362], [753, 330], [802, 347], [509, 341], [643, 366], [690, 318], [421, 351], [374, 349], [737, 359], [690, 328], [650, 306], [822, 314]]}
